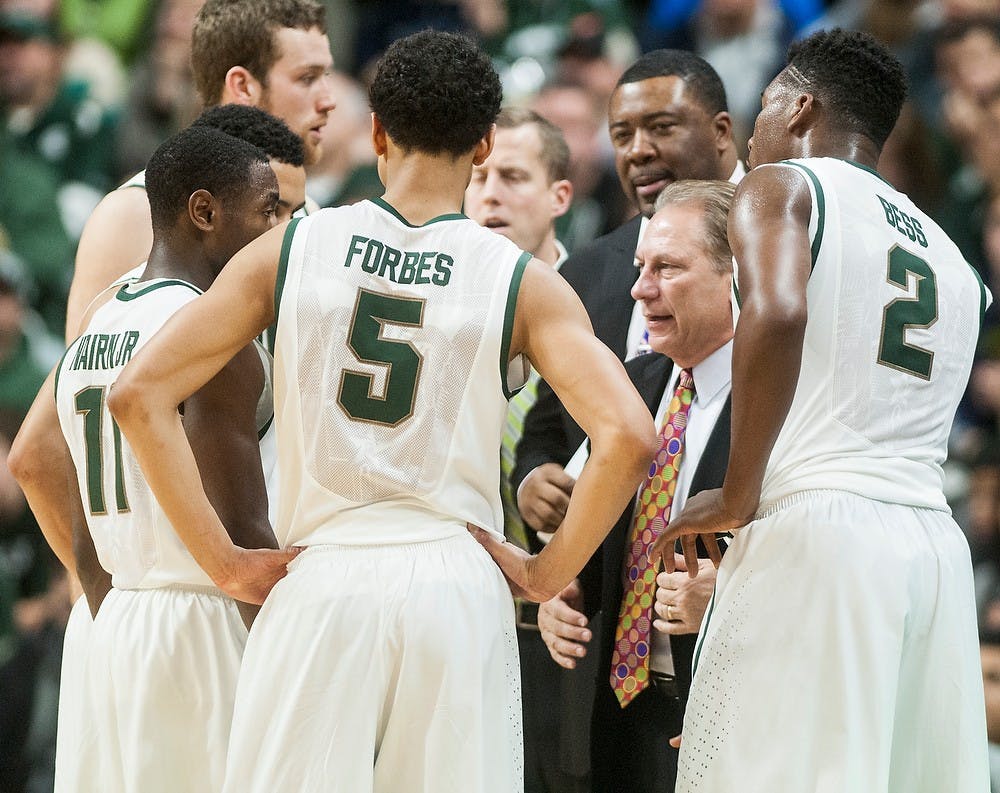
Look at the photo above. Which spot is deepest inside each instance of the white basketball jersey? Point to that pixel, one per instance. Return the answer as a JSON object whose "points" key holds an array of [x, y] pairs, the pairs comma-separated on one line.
{"points": [[390, 375], [133, 538], [894, 314]]}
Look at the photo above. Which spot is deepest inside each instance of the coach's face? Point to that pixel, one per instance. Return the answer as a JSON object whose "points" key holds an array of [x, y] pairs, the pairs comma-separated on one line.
{"points": [[684, 293], [662, 134]]}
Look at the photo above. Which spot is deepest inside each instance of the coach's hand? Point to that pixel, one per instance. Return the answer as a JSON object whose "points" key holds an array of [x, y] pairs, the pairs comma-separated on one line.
{"points": [[544, 495], [681, 601], [563, 626], [518, 566], [251, 574]]}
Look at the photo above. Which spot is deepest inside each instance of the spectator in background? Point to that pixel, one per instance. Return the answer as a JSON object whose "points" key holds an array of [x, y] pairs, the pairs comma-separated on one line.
{"points": [[161, 99], [599, 206], [52, 118]]}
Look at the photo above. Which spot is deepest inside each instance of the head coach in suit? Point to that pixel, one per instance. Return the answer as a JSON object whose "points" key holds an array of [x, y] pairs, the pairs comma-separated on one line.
{"points": [[648, 622], [668, 121]]}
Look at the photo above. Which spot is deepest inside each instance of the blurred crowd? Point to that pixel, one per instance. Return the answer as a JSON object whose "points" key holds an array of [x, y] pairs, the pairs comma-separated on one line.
{"points": [[89, 89]]}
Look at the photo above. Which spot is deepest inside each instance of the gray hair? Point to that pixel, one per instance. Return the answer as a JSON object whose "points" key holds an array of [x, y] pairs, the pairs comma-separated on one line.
{"points": [[715, 198]]}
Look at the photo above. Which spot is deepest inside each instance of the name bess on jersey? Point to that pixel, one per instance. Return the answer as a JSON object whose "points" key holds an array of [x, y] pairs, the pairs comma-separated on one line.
{"points": [[104, 350], [401, 267], [902, 222]]}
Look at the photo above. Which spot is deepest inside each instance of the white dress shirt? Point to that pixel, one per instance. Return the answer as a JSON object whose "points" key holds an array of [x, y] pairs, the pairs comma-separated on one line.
{"points": [[712, 383]]}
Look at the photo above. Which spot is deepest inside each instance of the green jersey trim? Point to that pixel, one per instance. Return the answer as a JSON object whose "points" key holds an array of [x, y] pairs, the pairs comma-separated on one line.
{"points": [[279, 280], [508, 319], [380, 202], [55, 381], [872, 171], [263, 430], [736, 292], [820, 212], [701, 638], [144, 288], [982, 295]]}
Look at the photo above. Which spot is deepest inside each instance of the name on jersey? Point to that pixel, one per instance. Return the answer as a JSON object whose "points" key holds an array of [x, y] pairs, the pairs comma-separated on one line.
{"points": [[105, 350], [401, 267], [902, 222]]}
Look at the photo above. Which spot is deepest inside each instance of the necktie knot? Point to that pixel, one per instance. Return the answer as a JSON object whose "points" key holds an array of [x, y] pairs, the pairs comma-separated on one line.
{"points": [[686, 380]]}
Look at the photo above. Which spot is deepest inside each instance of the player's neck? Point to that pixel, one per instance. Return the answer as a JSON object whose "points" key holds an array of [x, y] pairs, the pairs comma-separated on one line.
{"points": [[843, 146], [184, 262], [421, 187]]}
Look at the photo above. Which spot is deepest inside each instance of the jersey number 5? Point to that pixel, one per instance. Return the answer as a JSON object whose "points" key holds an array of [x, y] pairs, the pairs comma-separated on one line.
{"points": [[90, 404], [904, 313], [366, 338]]}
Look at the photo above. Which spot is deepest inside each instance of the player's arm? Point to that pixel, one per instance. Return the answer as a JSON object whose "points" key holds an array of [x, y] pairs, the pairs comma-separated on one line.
{"points": [[41, 463], [116, 238], [190, 349], [553, 329], [220, 421], [39, 460], [769, 236]]}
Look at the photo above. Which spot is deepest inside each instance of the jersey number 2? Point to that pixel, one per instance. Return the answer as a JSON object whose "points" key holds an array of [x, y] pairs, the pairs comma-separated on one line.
{"points": [[367, 340], [90, 404], [904, 313]]}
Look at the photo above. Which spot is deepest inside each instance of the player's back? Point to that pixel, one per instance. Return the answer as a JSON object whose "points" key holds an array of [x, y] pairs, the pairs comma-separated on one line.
{"points": [[133, 538], [390, 375], [893, 319]]}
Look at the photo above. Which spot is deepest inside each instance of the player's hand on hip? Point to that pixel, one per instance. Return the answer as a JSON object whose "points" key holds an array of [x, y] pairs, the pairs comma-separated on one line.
{"points": [[681, 601], [564, 627], [704, 513], [517, 565], [544, 495], [252, 573]]}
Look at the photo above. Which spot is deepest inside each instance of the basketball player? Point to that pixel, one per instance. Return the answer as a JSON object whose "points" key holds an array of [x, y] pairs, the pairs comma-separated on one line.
{"points": [[41, 462], [840, 650], [400, 322], [167, 643]]}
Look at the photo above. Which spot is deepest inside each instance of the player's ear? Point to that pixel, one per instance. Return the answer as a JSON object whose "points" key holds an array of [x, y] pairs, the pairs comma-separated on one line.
{"points": [[379, 142], [202, 210], [485, 146], [803, 115], [241, 87]]}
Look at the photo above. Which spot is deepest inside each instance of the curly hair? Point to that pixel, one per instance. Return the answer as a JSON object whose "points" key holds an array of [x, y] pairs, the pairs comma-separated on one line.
{"points": [[700, 79], [257, 127], [198, 158], [230, 33], [435, 92], [860, 80]]}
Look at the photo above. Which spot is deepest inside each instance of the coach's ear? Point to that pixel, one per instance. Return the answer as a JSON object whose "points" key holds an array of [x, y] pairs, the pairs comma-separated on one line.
{"points": [[201, 210], [485, 146]]}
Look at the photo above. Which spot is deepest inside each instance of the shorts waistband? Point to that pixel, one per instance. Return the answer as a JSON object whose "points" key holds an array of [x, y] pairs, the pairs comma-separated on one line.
{"points": [[766, 510], [194, 589]]}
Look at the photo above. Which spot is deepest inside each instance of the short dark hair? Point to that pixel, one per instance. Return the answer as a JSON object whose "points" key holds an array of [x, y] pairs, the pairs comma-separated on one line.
{"points": [[257, 127], [230, 33], [856, 76], [435, 92], [700, 79], [555, 151], [197, 158]]}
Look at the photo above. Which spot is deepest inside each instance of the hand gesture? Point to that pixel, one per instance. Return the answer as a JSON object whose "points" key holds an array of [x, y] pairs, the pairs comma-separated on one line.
{"points": [[517, 565], [564, 627], [703, 513], [681, 600], [251, 574], [544, 495]]}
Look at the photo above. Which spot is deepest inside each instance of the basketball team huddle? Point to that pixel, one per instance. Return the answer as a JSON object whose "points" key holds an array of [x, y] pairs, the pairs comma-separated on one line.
{"points": [[271, 452]]}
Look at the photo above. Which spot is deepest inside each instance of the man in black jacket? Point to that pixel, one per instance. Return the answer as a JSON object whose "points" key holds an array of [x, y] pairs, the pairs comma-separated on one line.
{"points": [[683, 289], [668, 121]]}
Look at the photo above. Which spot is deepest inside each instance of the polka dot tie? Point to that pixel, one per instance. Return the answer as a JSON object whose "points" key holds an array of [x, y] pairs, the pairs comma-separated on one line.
{"points": [[630, 658]]}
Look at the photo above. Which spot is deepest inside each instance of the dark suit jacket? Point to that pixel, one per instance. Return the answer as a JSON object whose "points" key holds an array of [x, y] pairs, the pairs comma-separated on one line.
{"points": [[602, 274], [601, 579]]}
